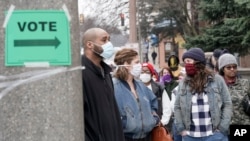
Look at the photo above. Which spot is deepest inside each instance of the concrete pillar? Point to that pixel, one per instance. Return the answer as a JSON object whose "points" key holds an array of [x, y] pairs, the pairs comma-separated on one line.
{"points": [[41, 104], [132, 22]]}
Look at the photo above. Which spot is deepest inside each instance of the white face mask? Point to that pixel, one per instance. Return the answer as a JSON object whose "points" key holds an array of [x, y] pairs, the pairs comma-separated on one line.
{"points": [[136, 70], [145, 78]]}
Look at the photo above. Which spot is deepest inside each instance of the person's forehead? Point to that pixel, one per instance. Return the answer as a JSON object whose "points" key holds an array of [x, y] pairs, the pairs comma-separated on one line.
{"points": [[165, 70], [188, 59], [102, 34], [136, 58], [230, 65]]}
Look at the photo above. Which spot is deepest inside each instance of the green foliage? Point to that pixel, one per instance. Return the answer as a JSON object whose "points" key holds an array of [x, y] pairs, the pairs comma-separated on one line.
{"points": [[228, 26], [144, 9], [175, 11]]}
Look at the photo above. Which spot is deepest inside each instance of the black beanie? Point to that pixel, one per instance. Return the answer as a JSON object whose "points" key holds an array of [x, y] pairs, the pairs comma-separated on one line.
{"points": [[195, 53], [217, 53]]}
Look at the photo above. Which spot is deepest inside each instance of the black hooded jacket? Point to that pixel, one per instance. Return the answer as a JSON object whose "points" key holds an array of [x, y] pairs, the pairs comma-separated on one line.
{"points": [[101, 115]]}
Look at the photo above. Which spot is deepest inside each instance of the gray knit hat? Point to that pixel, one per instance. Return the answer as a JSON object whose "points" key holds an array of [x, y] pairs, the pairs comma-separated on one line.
{"points": [[196, 54], [226, 59]]}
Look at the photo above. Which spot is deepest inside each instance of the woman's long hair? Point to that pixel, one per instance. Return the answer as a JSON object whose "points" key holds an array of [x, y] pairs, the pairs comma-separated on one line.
{"points": [[198, 82], [122, 56]]}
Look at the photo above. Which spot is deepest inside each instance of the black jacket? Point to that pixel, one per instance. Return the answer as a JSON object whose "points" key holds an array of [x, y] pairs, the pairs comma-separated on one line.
{"points": [[158, 89], [102, 118]]}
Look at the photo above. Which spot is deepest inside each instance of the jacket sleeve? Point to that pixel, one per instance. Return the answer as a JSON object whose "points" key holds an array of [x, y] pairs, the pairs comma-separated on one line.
{"points": [[226, 111], [177, 111], [154, 105], [173, 95], [153, 101]]}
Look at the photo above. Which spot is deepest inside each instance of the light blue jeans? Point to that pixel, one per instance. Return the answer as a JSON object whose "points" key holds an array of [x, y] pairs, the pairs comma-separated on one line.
{"points": [[177, 137], [217, 136]]}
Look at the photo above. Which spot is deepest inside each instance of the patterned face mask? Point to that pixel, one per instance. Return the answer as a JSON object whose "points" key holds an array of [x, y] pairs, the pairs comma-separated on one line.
{"points": [[190, 69]]}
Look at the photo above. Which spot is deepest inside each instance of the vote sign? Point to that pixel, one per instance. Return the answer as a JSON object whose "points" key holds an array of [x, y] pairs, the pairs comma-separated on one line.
{"points": [[37, 36]]}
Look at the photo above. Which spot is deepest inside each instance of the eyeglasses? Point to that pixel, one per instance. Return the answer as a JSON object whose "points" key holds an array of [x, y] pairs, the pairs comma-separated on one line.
{"points": [[230, 67], [148, 72]]}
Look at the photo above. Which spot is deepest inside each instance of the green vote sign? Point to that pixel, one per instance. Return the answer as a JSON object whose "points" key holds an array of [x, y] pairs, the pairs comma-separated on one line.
{"points": [[34, 36]]}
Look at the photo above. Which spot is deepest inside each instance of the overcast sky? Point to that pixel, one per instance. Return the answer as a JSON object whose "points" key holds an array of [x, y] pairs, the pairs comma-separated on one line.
{"points": [[90, 7], [84, 6], [104, 11]]}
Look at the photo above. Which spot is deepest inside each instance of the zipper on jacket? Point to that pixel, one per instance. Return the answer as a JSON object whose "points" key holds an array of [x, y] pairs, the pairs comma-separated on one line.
{"points": [[139, 104]]}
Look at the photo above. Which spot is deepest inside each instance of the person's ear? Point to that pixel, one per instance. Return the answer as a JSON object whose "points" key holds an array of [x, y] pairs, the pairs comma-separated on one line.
{"points": [[127, 65], [89, 44]]}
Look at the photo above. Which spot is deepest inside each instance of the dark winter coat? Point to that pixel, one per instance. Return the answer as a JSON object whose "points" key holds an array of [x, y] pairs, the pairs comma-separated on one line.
{"points": [[102, 119]]}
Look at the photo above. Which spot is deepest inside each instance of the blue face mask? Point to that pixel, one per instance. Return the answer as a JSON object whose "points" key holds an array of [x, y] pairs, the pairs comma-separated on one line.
{"points": [[108, 50]]}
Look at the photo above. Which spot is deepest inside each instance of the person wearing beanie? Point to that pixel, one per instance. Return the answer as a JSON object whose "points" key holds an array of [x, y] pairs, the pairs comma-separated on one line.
{"points": [[196, 61], [196, 54], [224, 51], [213, 60], [227, 59], [164, 109], [200, 111], [238, 87], [217, 53]]}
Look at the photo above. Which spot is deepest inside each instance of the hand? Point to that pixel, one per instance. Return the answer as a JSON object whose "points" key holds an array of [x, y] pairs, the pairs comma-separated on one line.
{"points": [[184, 133], [157, 121], [217, 130], [159, 124]]}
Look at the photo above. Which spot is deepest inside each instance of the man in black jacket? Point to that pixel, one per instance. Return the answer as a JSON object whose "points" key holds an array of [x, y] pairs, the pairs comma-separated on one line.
{"points": [[154, 55], [102, 118]]}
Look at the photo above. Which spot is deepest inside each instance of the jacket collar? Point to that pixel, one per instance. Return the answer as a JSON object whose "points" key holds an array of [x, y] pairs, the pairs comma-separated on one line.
{"points": [[125, 83], [97, 70]]}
